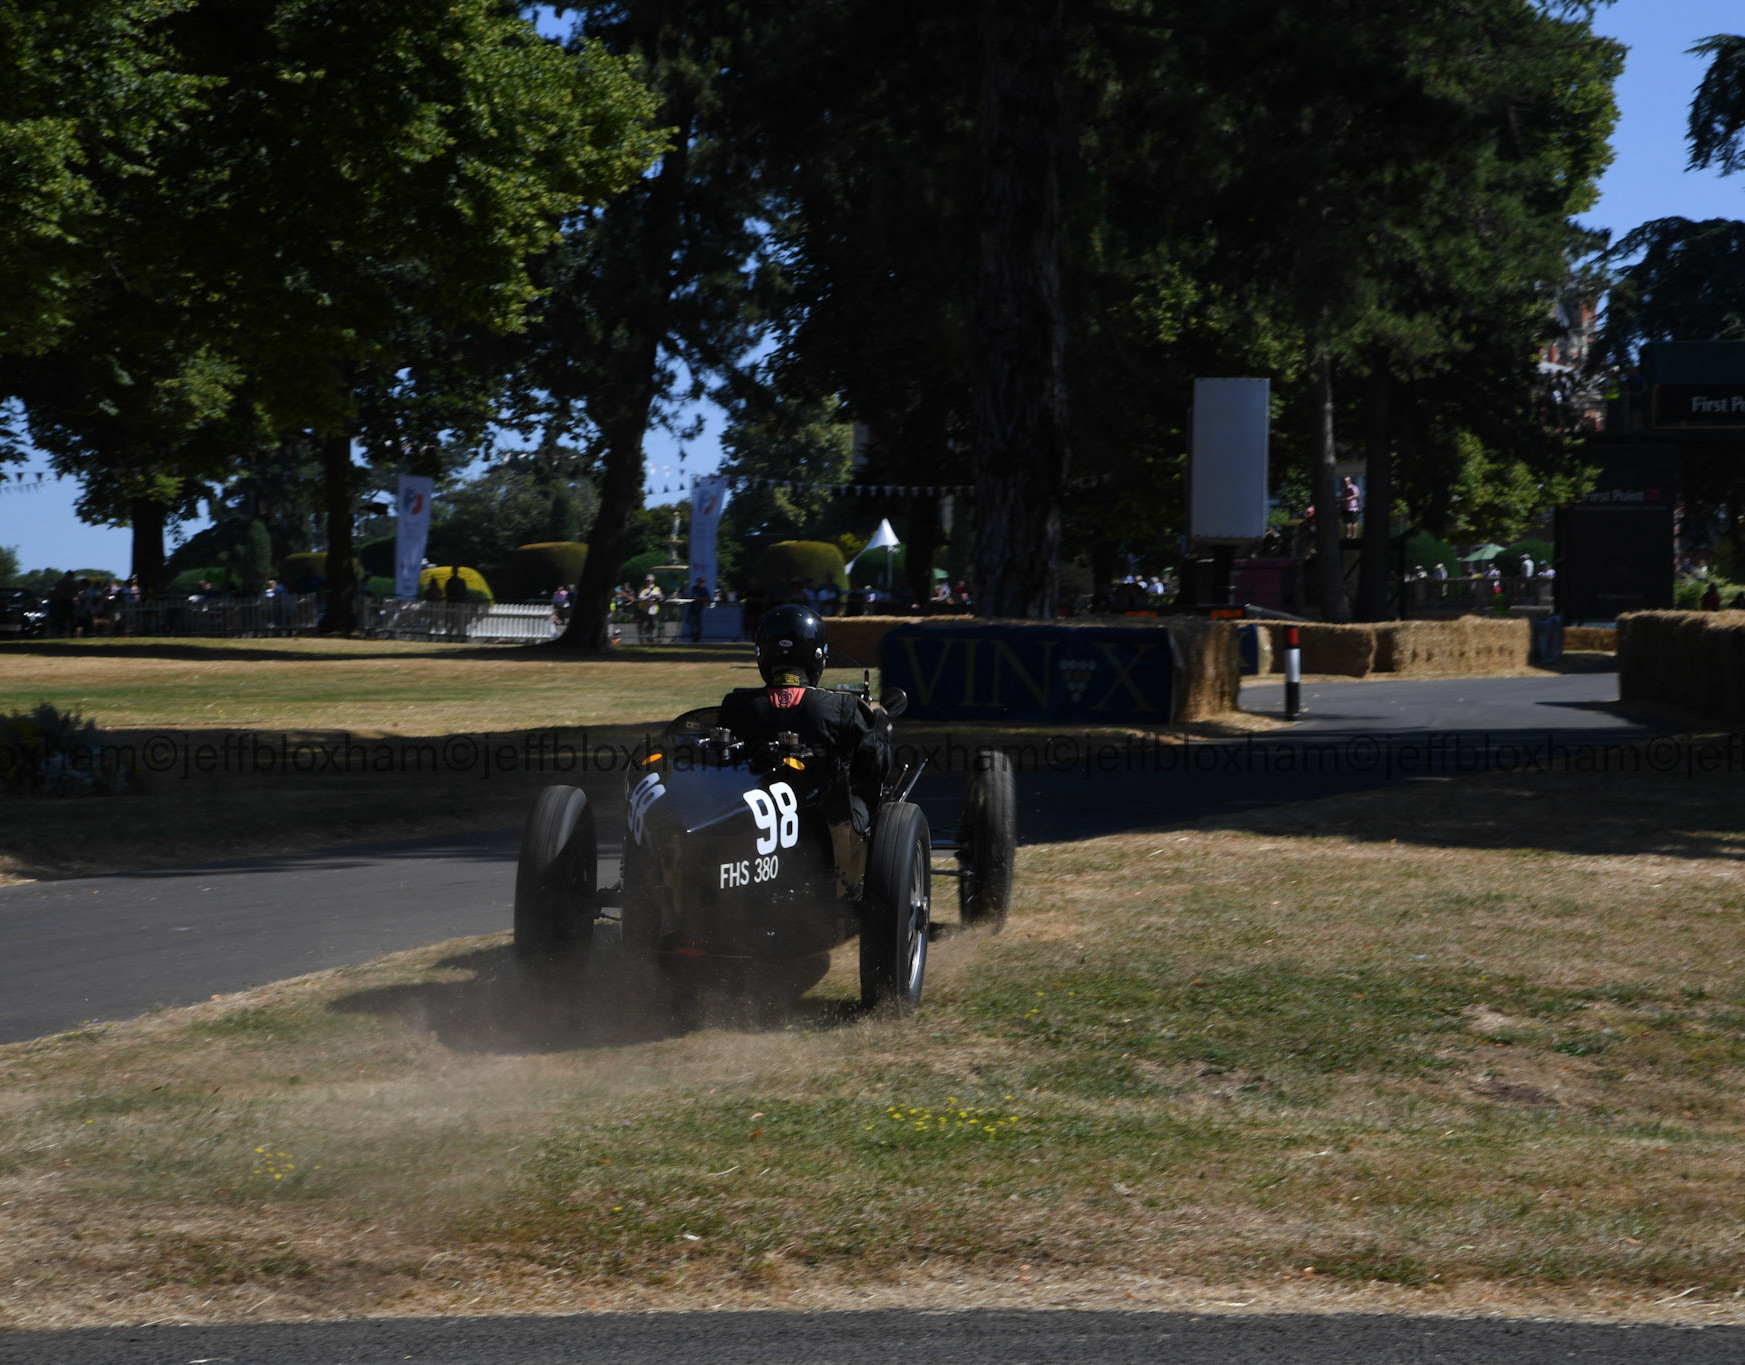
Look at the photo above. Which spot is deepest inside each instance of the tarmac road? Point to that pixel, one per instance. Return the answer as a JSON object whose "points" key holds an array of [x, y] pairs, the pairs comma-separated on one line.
{"points": [[879, 1338], [113, 947]]}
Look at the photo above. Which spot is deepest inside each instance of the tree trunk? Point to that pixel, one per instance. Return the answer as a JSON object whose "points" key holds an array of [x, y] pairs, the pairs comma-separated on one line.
{"points": [[147, 518], [1329, 557], [1377, 570], [918, 552], [620, 493], [1021, 455], [336, 482], [623, 416]]}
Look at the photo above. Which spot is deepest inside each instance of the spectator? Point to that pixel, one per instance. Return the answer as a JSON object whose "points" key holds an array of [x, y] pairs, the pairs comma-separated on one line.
{"points": [[1712, 599], [60, 604], [827, 597], [1526, 566], [648, 611], [1440, 572], [454, 592], [1350, 498], [85, 608]]}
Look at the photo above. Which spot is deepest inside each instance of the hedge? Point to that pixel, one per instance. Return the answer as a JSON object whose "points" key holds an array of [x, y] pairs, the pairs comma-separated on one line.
{"points": [[810, 561], [477, 588], [312, 562], [539, 569]]}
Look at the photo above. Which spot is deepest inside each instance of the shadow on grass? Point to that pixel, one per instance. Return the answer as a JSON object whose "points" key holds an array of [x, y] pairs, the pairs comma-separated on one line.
{"points": [[507, 1006], [253, 651], [1685, 815]]}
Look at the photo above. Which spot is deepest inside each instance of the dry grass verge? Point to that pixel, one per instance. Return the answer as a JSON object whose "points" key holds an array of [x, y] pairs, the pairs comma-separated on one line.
{"points": [[1469, 1046]]}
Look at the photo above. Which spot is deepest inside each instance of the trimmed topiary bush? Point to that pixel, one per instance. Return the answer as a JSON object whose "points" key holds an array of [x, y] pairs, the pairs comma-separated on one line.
{"points": [[639, 567], [377, 557], [810, 561], [310, 564], [1424, 549], [477, 589], [537, 570], [188, 581], [1539, 551]]}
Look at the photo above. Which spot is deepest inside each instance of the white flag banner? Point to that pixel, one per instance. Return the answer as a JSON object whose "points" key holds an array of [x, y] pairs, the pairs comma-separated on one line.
{"points": [[411, 533], [708, 496]]}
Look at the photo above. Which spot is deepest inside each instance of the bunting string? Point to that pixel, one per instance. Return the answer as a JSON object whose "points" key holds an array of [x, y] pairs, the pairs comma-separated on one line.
{"points": [[888, 490]]}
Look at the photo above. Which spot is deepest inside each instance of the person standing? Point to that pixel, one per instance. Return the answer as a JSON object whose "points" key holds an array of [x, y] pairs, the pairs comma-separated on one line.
{"points": [[454, 593], [648, 611], [1351, 498]]}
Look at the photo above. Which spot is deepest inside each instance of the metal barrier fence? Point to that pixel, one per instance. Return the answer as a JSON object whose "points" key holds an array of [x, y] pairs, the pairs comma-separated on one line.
{"points": [[238, 615], [1463, 596]]}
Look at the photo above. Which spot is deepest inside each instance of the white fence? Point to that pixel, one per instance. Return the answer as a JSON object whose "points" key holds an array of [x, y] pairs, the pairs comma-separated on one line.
{"points": [[238, 615]]}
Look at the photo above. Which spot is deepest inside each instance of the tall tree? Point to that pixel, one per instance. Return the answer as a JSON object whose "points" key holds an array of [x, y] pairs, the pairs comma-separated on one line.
{"points": [[87, 94], [657, 289], [1021, 452], [1678, 280]]}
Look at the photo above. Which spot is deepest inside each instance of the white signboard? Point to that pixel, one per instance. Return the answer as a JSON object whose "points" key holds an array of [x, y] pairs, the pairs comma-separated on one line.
{"points": [[411, 534], [708, 496], [1227, 476]]}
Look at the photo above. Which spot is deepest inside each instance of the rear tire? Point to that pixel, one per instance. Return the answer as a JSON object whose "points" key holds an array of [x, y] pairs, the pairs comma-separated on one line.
{"points": [[895, 910], [557, 880], [989, 841]]}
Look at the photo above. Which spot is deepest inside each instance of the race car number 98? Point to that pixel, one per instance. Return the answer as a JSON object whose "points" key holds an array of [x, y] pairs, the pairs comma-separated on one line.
{"points": [[777, 813]]}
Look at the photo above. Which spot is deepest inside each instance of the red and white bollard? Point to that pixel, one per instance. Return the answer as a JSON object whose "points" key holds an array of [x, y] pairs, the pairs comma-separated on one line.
{"points": [[1293, 673]]}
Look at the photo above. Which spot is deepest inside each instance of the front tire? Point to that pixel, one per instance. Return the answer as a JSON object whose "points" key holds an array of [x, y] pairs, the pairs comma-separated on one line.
{"points": [[895, 910], [557, 880], [989, 841]]}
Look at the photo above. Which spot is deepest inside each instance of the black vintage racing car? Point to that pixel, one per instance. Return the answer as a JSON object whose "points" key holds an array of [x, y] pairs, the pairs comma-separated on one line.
{"points": [[735, 853]]}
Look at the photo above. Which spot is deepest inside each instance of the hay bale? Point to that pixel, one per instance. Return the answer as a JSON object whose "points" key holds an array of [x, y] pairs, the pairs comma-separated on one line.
{"points": [[1208, 667], [1691, 660], [855, 640], [1346, 650], [1468, 644], [1601, 638]]}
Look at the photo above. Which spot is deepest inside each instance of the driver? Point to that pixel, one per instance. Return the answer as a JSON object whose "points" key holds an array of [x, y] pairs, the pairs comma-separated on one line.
{"points": [[791, 649]]}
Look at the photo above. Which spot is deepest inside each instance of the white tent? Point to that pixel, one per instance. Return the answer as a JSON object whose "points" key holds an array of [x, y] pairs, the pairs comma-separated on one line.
{"points": [[882, 539]]}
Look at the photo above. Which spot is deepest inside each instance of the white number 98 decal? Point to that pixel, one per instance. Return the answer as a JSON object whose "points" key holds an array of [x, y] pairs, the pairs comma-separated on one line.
{"points": [[777, 813]]}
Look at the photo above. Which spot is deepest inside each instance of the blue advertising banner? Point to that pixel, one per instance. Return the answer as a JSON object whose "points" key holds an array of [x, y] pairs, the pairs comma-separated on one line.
{"points": [[1031, 674]]}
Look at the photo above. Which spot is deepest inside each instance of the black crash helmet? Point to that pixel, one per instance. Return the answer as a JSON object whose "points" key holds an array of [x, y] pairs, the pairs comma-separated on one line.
{"points": [[791, 647]]}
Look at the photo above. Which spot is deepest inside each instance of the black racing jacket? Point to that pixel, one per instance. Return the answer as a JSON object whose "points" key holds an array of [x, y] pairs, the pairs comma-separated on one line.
{"points": [[821, 718]]}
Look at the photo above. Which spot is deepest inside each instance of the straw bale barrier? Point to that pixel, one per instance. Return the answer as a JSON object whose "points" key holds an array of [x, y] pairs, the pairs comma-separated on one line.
{"points": [[1692, 660], [1208, 667], [1466, 644], [855, 640], [1348, 650], [1601, 638]]}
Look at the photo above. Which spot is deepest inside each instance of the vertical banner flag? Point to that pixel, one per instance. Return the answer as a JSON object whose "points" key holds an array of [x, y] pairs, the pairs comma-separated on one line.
{"points": [[411, 534], [708, 494]]}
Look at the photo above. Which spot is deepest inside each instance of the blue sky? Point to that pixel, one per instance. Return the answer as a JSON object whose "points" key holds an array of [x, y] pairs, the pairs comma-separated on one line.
{"points": [[1646, 180]]}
